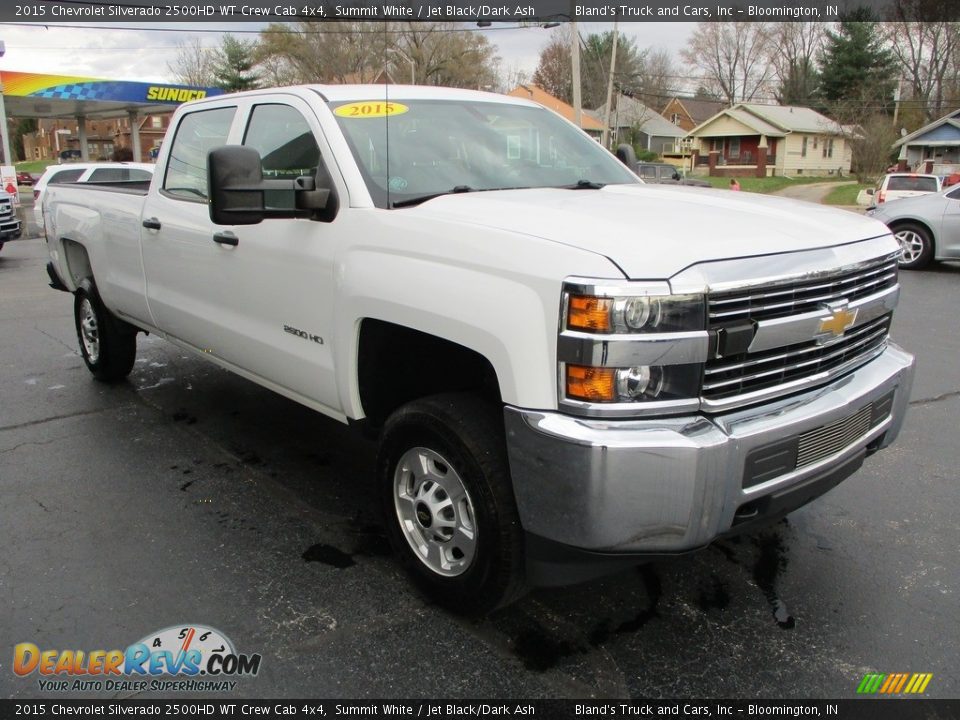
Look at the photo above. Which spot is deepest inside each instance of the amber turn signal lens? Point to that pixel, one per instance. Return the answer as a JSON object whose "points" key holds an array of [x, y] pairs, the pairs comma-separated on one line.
{"points": [[589, 313], [592, 384]]}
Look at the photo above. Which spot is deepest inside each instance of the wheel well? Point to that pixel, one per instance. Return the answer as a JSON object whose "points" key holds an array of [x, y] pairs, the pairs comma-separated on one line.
{"points": [[397, 364], [897, 224], [77, 261]]}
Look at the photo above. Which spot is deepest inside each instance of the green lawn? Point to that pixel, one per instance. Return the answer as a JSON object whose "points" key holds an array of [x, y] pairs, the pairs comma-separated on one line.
{"points": [[34, 166], [845, 194], [771, 184]]}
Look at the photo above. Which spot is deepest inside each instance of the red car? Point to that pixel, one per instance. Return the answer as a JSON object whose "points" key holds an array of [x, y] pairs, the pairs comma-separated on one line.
{"points": [[24, 178]]}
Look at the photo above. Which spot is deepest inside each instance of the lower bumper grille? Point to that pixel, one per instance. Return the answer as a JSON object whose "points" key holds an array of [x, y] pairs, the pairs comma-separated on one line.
{"points": [[784, 456]]}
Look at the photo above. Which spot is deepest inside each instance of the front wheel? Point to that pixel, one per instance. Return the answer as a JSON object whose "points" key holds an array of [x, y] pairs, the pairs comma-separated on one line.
{"points": [[447, 496], [107, 344], [916, 246]]}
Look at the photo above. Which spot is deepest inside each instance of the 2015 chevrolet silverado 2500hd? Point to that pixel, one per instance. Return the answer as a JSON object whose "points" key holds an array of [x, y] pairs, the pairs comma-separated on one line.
{"points": [[569, 370]]}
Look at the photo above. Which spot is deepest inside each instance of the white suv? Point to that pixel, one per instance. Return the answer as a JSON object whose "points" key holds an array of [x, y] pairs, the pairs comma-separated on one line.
{"points": [[894, 186], [83, 173]]}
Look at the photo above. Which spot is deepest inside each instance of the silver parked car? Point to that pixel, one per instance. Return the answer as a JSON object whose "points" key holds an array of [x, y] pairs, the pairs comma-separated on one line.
{"points": [[927, 226]]}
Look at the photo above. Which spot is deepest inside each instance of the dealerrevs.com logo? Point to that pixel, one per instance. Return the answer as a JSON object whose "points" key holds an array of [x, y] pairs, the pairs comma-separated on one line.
{"points": [[188, 658]]}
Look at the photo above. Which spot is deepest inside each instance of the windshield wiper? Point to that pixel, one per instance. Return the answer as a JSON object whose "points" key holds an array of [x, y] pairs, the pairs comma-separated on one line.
{"points": [[423, 198], [584, 185]]}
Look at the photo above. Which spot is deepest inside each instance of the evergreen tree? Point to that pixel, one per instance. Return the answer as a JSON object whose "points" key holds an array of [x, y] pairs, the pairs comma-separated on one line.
{"points": [[233, 66], [857, 73]]}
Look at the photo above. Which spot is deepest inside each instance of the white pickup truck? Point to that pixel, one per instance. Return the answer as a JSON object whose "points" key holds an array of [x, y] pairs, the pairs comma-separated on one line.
{"points": [[569, 370]]}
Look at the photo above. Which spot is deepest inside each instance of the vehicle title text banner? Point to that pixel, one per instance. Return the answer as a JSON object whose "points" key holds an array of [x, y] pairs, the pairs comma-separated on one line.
{"points": [[518, 11]]}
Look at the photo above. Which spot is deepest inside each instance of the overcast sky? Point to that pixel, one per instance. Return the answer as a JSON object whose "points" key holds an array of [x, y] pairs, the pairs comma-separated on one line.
{"points": [[145, 55]]}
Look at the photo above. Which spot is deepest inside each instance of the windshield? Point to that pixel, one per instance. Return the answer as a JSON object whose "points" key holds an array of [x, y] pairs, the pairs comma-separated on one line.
{"points": [[440, 146]]}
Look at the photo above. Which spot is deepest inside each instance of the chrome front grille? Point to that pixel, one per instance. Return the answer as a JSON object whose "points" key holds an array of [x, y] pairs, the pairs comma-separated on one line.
{"points": [[766, 302], [6, 208], [748, 372]]}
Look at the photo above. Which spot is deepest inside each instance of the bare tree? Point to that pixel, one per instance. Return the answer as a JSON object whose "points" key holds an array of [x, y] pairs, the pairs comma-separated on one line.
{"points": [[733, 57], [871, 142], [928, 53], [442, 53], [445, 54], [511, 76], [339, 52], [553, 72], [194, 64], [793, 48], [659, 82]]}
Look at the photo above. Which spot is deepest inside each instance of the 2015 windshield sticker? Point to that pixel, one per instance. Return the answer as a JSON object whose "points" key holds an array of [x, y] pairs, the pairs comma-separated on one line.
{"points": [[370, 109], [186, 658]]}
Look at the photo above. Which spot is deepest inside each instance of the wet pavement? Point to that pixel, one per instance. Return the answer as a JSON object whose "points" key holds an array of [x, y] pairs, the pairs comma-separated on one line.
{"points": [[189, 495]]}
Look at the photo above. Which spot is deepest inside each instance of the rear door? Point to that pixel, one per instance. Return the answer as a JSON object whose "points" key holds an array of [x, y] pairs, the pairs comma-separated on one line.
{"points": [[182, 263]]}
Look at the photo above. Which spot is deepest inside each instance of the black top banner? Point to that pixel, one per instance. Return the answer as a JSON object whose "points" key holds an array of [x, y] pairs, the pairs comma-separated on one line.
{"points": [[467, 11], [437, 709]]}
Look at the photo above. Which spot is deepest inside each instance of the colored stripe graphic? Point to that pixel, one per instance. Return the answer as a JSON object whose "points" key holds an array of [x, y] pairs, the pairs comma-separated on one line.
{"points": [[894, 683]]}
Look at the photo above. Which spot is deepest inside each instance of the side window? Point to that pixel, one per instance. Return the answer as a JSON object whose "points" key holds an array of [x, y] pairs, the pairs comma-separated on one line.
{"points": [[65, 176], [954, 194], [648, 172], [107, 175], [118, 174], [198, 133], [286, 145]]}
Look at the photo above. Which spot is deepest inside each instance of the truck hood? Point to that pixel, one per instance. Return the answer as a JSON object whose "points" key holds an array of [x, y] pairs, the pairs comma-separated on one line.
{"points": [[655, 231]]}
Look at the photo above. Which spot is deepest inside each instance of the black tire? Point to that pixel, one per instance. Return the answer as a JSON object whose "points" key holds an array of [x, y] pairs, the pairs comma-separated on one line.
{"points": [[466, 432], [915, 244], [112, 348]]}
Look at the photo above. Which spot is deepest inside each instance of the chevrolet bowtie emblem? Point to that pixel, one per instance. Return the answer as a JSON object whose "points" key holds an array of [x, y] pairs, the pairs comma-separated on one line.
{"points": [[840, 319]]}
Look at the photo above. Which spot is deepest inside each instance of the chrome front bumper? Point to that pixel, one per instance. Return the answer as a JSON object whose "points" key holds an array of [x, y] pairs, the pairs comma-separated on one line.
{"points": [[670, 485]]}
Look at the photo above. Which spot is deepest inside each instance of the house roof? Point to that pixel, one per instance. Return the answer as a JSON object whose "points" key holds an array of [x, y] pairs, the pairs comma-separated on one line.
{"points": [[539, 95], [776, 120], [698, 110], [952, 118], [628, 111]]}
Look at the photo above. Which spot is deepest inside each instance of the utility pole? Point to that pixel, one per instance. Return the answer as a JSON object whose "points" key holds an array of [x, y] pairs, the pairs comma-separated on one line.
{"points": [[613, 66], [575, 62], [4, 125]]}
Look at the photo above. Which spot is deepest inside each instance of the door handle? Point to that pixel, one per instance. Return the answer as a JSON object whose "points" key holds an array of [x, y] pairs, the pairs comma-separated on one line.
{"points": [[226, 238], [151, 224]]}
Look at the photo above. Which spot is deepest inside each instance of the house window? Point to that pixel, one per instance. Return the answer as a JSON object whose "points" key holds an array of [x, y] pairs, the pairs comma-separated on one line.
{"points": [[803, 147], [734, 147], [828, 148], [675, 118], [156, 122]]}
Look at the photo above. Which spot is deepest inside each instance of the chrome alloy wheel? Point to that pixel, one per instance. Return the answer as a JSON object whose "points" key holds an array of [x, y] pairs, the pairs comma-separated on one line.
{"points": [[911, 246], [435, 511], [89, 332]]}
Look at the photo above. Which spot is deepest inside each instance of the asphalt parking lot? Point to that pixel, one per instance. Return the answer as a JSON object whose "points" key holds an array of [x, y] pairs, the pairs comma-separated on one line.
{"points": [[189, 495]]}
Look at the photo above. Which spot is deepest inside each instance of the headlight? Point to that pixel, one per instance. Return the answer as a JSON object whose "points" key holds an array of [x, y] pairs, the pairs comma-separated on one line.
{"points": [[632, 384], [635, 314]]}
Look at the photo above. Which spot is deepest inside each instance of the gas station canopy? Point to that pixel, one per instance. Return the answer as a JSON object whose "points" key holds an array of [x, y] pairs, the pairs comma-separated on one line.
{"points": [[34, 95]]}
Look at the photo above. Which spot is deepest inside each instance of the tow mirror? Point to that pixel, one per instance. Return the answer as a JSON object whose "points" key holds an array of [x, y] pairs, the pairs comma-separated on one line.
{"points": [[627, 156], [239, 193]]}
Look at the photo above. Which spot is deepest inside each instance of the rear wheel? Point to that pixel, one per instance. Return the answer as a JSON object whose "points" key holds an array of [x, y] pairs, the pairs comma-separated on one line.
{"points": [[916, 246], [108, 345], [448, 500]]}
